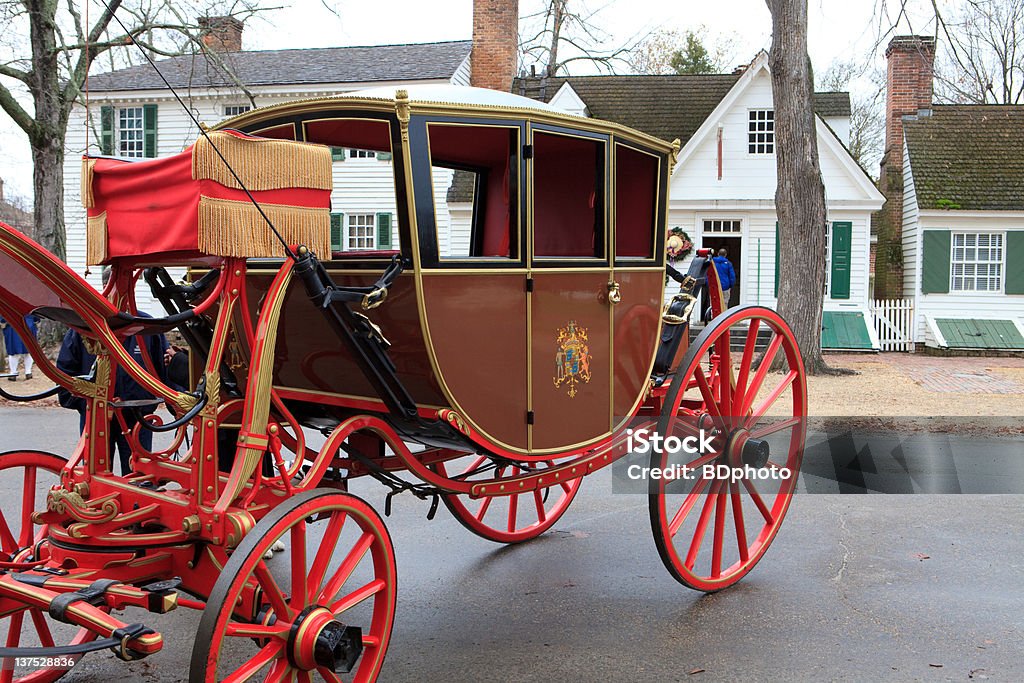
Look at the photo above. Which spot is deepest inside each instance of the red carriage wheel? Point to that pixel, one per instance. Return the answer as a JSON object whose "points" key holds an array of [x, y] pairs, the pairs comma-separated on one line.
{"points": [[25, 477], [712, 526], [506, 519], [327, 603]]}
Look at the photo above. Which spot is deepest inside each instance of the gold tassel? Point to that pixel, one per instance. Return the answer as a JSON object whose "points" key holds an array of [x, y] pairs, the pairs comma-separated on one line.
{"points": [[96, 240], [88, 166], [231, 228], [262, 164]]}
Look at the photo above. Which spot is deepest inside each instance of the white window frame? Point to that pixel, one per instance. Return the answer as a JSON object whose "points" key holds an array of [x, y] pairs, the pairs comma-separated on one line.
{"points": [[133, 136], [953, 262], [353, 240], [352, 153], [231, 110], [731, 233], [765, 146]]}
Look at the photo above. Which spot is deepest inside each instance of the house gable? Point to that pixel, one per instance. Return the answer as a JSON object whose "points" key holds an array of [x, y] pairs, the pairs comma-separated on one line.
{"points": [[751, 177], [568, 101]]}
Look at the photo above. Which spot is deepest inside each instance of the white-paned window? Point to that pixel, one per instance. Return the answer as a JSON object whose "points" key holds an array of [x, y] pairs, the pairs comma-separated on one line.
{"points": [[236, 109], [362, 231], [761, 131], [361, 154], [130, 142], [717, 226], [977, 264]]}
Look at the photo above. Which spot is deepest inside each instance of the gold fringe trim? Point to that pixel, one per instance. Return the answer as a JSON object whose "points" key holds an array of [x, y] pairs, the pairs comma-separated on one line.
{"points": [[88, 166], [230, 228], [262, 164], [96, 240]]}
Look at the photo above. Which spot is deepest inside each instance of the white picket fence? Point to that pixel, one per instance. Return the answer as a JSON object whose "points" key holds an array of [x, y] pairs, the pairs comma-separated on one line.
{"points": [[894, 323]]}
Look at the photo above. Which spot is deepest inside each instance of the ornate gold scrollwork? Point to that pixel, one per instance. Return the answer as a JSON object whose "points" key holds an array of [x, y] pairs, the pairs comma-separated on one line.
{"points": [[673, 156], [403, 111], [455, 420], [73, 505]]}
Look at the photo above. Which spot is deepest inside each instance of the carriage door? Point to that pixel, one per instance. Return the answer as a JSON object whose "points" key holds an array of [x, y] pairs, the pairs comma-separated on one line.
{"points": [[570, 312]]}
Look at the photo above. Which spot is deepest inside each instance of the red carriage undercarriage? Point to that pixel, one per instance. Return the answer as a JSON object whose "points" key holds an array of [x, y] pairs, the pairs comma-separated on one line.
{"points": [[307, 373]]}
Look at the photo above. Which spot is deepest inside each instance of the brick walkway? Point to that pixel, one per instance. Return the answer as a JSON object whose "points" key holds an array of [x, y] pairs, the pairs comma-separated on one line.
{"points": [[949, 380]]}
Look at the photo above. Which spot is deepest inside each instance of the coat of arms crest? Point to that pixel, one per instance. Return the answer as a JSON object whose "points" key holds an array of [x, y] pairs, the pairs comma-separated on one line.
{"points": [[572, 360]]}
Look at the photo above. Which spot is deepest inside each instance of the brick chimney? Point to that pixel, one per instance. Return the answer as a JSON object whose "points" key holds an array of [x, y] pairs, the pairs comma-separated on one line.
{"points": [[908, 91], [495, 43], [221, 34]]}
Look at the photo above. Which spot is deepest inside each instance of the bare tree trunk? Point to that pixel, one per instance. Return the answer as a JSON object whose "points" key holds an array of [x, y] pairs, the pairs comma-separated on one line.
{"points": [[800, 195], [557, 16]]}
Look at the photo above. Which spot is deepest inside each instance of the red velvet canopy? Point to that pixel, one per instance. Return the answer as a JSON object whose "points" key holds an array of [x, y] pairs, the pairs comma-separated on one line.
{"points": [[191, 204]]}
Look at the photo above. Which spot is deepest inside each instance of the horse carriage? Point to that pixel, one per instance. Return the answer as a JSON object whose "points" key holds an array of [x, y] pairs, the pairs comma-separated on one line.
{"points": [[494, 333]]}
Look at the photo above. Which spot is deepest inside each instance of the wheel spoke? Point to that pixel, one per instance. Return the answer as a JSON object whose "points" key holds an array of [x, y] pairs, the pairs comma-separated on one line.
{"points": [[266, 655], [719, 538], [348, 566], [328, 675], [28, 504], [298, 550], [14, 634], [709, 398], [762, 370], [513, 509], [483, 509], [687, 506], [702, 525], [772, 397], [538, 501], [357, 596], [324, 554], [7, 540], [756, 497], [746, 360], [278, 672], [237, 629], [767, 430], [304, 677], [42, 628], [272, 590], [737, 515]]}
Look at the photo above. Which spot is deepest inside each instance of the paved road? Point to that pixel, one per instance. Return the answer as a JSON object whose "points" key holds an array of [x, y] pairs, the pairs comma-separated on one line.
{"points": [[843, 594]]}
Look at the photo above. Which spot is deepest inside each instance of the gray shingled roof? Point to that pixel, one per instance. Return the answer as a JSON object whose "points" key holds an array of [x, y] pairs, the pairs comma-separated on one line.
{"points": [[666, 107], [419, 61], [968, 157]]}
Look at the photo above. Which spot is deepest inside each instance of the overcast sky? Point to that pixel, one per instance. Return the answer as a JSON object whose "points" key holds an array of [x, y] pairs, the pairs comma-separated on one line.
{"points": [[839, 29]]}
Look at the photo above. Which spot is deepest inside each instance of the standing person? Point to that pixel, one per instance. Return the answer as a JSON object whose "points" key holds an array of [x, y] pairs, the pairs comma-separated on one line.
{"points": [[75, 360], [726, 274], [17, 352]]}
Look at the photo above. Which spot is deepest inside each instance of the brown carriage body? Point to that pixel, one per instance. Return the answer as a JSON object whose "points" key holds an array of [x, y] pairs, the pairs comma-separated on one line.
{"points": [[478, 334]]}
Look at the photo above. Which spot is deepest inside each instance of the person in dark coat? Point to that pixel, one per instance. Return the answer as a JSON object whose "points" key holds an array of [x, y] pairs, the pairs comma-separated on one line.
{"points": [[726, 274], [17, 353]]}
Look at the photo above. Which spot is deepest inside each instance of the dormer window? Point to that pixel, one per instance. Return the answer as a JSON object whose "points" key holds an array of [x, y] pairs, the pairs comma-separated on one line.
{"points": [[761, 131]]}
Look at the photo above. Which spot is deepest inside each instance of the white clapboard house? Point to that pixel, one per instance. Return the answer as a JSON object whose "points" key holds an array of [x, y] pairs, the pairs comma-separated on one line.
{"points": [[133, 115], [723, 188]]}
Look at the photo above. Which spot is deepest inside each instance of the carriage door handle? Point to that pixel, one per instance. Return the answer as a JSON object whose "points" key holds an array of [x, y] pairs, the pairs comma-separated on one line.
{"points": [[614, 294]]}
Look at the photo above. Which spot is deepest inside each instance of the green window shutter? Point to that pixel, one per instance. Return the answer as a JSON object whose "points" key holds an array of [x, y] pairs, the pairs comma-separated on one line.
{"points": [[107, 130], [842, 239], [384, 156], [777, 250], [337, 231], [935, 262], [337, 154], [1014, 268], [383, 230], [149, 130]]}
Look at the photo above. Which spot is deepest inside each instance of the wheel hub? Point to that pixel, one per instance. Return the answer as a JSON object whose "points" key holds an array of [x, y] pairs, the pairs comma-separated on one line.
{"points": [[743, 450], [316, 638]]}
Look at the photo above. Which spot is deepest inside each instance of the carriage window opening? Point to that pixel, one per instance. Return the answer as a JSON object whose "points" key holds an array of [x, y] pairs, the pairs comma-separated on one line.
{"points": [[364, 204], [636, 199], [362, 232], [475, 175], [568, 196]]}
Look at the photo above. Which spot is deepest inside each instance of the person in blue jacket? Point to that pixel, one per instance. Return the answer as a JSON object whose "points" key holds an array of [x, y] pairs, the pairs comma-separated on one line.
{"points": [[726, 274], [17, 353]]}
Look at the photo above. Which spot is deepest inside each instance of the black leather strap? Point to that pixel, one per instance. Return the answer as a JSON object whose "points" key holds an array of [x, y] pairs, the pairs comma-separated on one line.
{"points": [[117, 642], [92, 594]]}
